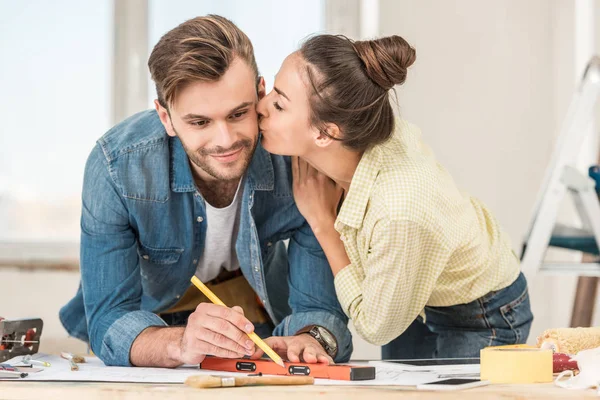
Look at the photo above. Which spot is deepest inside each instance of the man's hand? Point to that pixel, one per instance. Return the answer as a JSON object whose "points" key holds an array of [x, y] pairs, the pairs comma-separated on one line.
{"points": [[218, 331], [301, 348]]}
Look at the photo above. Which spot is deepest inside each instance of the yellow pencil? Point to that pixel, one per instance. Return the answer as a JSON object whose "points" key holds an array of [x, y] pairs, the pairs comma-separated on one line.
{"points": [[253, 336]]}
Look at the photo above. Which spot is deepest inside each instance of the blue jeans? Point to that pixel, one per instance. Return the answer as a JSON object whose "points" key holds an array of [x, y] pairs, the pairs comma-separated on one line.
{"points": [[498, 318]]}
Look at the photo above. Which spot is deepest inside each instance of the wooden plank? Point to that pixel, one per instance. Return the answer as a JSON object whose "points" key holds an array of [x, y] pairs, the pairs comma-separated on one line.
{"points": [[101, 391], [585, 297]]}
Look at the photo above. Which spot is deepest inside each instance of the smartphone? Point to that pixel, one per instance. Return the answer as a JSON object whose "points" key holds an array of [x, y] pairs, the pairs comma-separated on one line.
{"points": [[453, 384]]}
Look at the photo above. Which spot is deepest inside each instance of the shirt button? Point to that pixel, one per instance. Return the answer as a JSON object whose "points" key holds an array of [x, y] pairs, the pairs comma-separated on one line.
{"points": [[146, 257], [256, 268], [195, 261], [269, 244], [264, 301], [199, 219], [178, 296], [343, 238]]}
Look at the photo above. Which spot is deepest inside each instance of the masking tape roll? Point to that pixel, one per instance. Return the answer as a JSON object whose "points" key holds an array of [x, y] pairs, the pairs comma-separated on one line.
{"points": [[516, 365]]}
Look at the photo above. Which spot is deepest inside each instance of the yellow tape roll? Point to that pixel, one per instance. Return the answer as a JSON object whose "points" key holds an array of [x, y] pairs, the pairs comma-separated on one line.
{"points": [[516, 365]]}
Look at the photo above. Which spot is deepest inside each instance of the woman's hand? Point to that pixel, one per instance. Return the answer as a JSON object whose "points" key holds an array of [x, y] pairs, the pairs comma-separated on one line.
{"points": [[317, 196]]}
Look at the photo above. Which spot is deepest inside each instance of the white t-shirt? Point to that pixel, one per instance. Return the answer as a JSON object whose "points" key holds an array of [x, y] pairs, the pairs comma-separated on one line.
{"points": [[219, 244]]}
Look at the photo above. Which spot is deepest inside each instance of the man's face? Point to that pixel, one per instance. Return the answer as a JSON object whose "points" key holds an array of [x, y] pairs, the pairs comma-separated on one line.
{"points": [[217, 123]]}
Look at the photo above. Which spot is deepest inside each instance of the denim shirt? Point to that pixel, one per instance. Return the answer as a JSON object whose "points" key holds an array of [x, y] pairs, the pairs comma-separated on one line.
{"points": [[143, 227]]}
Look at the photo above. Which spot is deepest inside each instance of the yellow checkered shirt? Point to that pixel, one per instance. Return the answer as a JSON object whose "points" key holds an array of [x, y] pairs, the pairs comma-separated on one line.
{"points": [[413, 239]]}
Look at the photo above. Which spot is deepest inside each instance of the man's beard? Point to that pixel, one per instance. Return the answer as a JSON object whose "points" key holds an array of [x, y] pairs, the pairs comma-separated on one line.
{"points": [[200, 158]]}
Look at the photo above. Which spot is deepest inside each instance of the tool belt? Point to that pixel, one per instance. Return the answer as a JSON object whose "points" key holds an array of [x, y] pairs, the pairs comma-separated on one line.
{"points": [[233, 289]]}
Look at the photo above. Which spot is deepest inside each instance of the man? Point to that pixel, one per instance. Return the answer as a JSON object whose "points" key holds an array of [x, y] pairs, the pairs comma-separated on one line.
{"points": [[187, 189]]}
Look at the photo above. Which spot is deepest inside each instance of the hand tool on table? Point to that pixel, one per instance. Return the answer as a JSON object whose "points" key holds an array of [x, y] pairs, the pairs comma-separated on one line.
{"points": [[19, 337]]}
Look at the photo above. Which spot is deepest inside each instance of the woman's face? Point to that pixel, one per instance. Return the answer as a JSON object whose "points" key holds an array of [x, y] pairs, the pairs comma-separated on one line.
{"points": [[285, 112]]}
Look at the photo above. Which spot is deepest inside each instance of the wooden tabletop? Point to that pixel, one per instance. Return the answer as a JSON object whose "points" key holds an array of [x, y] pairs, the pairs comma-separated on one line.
{"points": [[93, 391]]}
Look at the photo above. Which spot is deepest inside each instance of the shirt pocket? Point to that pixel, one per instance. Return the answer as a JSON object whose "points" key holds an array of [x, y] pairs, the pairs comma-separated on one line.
{"points": [[159, 256]]}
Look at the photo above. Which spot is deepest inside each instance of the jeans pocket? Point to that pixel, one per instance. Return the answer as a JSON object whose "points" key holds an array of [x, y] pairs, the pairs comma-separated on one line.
{"points": [[517, 315]]}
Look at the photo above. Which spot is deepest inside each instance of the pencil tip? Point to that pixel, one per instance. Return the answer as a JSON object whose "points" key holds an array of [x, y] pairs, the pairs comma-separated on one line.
{"points": [[280, 363]]}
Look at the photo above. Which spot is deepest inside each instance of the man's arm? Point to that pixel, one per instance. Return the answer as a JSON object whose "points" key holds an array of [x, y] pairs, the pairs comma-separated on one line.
{"points": [[110, 271], [120, 332], [211, 329], [166, 345]]}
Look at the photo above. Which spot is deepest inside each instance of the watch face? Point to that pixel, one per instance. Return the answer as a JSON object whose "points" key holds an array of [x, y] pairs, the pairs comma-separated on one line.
{"points": [[327, 337]]}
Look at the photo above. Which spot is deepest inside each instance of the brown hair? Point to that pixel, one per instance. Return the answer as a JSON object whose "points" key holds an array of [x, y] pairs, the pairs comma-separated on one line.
{"points": [[350, 82], [200, 49]]}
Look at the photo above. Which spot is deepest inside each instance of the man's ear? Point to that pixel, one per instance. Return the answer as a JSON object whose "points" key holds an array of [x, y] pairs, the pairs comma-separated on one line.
{"points": [[165, 118], [324, 137], [260, 87]]}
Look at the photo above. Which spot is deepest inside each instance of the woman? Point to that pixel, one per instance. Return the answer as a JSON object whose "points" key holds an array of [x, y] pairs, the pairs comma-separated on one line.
{"points": [[419, 266]]}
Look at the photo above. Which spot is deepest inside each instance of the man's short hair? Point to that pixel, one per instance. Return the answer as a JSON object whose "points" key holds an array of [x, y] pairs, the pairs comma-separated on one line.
{"points": [[200, 49]]}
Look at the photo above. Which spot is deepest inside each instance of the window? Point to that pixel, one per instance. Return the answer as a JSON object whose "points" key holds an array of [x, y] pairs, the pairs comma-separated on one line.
{"points": [[55, 77]]}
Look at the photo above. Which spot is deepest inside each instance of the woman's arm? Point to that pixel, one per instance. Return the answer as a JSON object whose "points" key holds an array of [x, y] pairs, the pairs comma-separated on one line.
{"points": [[332, 245], [317, 197]]}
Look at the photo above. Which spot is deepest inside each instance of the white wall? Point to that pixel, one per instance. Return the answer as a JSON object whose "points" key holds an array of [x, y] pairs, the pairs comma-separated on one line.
{"points": [[481, 91]]}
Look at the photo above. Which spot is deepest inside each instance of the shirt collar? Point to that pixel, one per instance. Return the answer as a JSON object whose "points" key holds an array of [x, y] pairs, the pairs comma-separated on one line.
{"points": [[354, 207]]}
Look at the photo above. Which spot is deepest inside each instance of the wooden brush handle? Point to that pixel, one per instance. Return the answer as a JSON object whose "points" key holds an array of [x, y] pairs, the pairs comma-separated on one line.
{"points": [[274, 380], [204, 381], [211, 381]]}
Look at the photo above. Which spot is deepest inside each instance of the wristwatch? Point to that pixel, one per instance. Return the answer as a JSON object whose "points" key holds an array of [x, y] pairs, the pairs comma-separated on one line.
{"points": [[323, 336]]}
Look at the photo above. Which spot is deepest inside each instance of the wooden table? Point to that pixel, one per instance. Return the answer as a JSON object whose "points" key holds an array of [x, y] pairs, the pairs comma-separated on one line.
{"points": [[93, 391]]}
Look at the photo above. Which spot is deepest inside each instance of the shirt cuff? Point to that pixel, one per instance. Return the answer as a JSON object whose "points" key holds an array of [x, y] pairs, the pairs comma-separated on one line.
{"points": [[119, 338], [348, 287]]}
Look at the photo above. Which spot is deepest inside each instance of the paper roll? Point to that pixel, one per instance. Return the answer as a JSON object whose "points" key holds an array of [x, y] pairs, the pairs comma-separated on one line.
{"points": [[516, 365]]}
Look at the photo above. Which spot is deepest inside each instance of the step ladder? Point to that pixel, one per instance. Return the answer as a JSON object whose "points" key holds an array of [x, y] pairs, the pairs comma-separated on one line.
{"points": [[562, 177]]}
